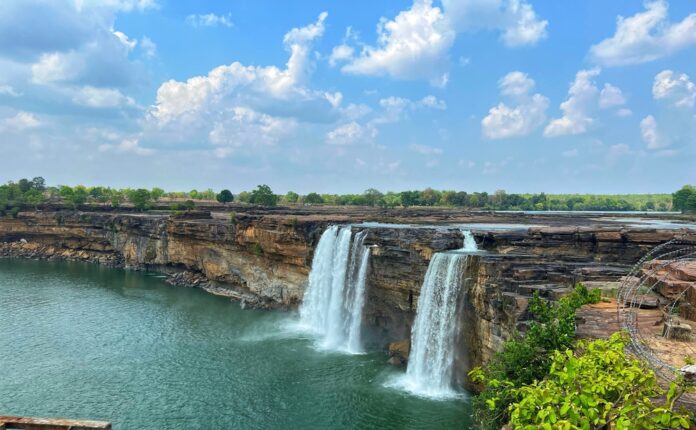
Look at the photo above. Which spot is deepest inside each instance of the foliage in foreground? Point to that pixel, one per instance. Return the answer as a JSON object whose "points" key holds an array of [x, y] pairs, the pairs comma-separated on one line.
{"points": [[597, 386], [547, 380], [527, 358]]}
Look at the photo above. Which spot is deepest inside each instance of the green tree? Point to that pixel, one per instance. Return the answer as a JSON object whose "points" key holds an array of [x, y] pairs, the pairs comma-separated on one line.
{"points": [[116, 199], [292, 197], [409, 198], [24, 185], [34, 197], [156, 194], [80, 195], [263, 196], [189, 205], [690, 203], [224, 196], [74, 196], [313, 198], [38, 183], [392, 200], [429, 197], [680, 199], [244, 197], [140, 198], [373, 197]]}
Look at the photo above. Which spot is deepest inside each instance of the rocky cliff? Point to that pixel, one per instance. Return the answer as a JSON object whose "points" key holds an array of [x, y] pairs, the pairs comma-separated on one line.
{"points": [[263, 258]]}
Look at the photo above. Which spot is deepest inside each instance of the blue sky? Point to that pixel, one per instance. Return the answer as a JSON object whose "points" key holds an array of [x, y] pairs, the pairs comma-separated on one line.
{"points": [[336, 96]]}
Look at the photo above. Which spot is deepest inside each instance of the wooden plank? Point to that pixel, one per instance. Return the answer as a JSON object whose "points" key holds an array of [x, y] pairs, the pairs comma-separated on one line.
{"points": [[31, 423]]}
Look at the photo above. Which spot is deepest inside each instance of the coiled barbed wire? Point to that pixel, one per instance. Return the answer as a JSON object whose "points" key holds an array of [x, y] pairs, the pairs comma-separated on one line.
{"points": [[639, 283]]}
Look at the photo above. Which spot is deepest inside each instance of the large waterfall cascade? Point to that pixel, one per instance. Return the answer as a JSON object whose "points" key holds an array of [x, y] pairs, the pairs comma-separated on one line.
{"points": [[334, 300], [431, 359]]}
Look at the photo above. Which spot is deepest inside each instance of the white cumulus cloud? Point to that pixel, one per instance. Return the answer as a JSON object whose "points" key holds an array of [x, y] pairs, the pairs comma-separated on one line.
{"points": [[677, 89], [651, 134], [577, 109], [102, 97], [415, 44], [516, 20], [351, 133], [526, 112], [411, 46], [611, 96], [645, 36], [198, 95], [340, 53]]}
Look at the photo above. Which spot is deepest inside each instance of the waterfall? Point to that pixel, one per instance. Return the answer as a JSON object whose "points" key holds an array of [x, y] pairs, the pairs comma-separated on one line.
{"points": [[431, 360], [334, 300]]}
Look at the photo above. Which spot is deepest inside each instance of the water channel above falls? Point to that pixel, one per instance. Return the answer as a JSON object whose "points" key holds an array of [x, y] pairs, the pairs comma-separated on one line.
{"points": [[84, 341]]}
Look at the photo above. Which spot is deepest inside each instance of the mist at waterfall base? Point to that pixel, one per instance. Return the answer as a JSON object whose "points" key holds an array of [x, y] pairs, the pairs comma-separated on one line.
{"points": [[84, 341], [431, 358], [333, 303]]}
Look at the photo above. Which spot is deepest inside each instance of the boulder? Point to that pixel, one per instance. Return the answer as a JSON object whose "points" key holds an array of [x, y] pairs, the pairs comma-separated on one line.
{"points": [[677, 331], [398, 352]]}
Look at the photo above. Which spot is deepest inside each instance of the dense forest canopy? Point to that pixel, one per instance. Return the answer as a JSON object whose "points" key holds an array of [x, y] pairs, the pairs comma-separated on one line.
{"points": [[34, 192]]}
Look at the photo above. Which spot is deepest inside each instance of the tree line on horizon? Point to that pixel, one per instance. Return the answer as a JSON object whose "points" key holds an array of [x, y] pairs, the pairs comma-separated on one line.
{"points": [[35, 192]]}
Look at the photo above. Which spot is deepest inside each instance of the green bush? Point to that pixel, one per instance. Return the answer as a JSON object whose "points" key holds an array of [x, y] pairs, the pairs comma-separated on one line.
{"points": [[258, 250], [527, 358], [596, 386]]}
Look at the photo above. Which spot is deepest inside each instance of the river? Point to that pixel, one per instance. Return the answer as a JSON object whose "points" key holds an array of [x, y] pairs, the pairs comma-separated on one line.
{"points": [[84, 341]]}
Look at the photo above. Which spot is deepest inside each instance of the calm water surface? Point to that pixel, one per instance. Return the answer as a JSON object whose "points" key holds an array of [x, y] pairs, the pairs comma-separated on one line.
{"points": [[83, 341]]}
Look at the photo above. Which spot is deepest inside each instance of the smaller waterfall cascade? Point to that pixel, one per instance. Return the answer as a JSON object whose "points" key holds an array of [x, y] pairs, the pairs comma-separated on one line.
{"points": [[431, 359], [334, 300]]}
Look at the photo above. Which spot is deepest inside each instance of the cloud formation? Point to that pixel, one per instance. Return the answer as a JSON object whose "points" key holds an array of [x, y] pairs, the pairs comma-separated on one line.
{"points": [[577, 108], [239, 106], [651, 135], [415, 44], [526, 112], [675, 89], [645, 36]]}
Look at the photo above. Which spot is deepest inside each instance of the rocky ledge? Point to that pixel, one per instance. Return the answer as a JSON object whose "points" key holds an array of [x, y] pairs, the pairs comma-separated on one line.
{"points": [[263, 257]]}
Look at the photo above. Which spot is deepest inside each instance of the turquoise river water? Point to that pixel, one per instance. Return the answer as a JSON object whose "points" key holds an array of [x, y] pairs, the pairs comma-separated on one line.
{"points": [[83, 341]]}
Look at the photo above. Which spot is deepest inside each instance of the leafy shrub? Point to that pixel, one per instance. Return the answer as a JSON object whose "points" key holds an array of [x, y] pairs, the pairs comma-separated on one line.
{"points": [[527, 358], [258, 250], [596, 386]]}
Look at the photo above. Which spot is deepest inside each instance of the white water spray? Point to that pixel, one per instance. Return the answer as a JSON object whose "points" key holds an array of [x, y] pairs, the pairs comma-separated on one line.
{"points": [[431, 360], [334, 300]]}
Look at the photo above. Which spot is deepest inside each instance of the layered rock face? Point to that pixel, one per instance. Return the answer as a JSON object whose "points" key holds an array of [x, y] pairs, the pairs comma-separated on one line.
{"points": [[264, 257], [263, 261]]}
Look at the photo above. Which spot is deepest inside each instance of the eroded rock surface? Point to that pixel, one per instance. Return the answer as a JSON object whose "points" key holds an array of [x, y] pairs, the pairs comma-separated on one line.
{"points": [[263, 257]]}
